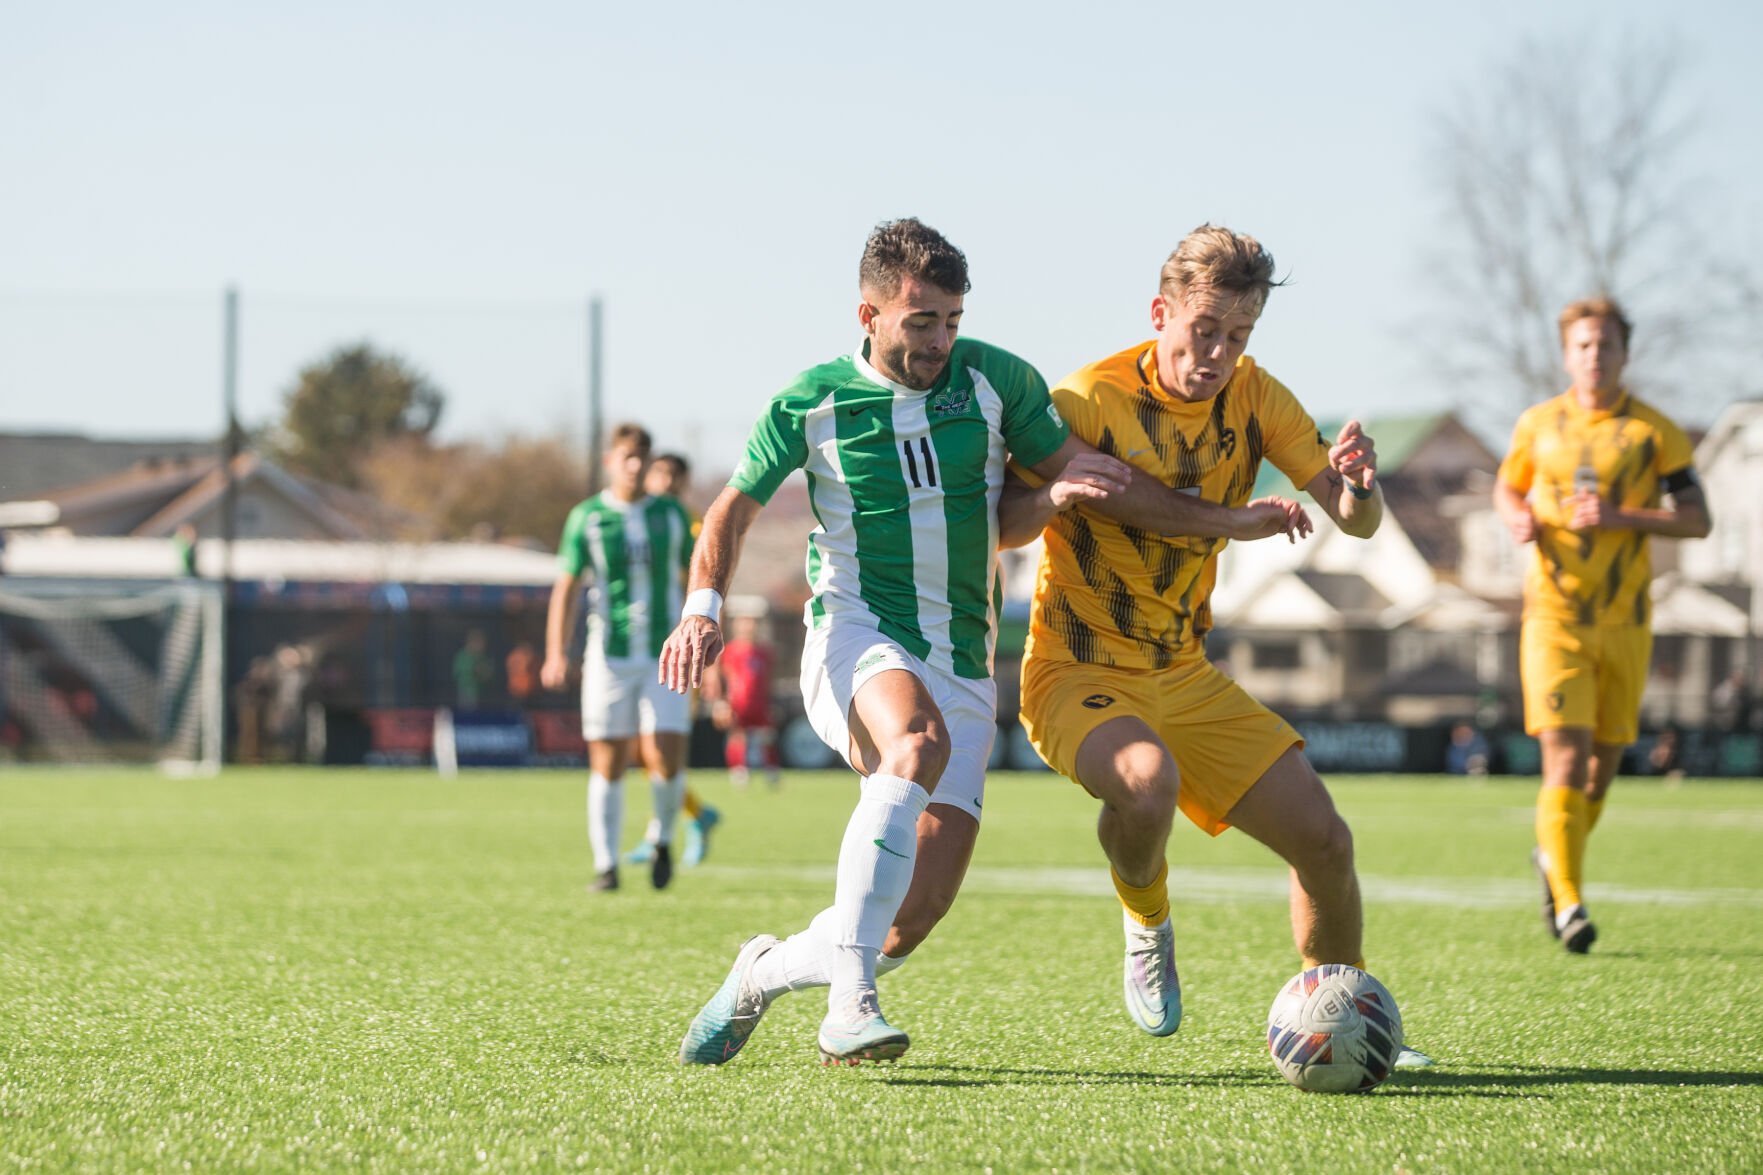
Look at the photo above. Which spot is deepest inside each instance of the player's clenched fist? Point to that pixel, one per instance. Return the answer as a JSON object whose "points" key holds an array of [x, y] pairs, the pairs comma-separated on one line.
{"points": [[690, 649]]}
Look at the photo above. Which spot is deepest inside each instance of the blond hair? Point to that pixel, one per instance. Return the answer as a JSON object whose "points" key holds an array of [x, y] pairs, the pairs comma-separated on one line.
{"points": [[1213, 257], [1601, 306]]}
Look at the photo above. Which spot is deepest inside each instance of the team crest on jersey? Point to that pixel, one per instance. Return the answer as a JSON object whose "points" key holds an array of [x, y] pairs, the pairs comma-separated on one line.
{"points": [[951, 401]]}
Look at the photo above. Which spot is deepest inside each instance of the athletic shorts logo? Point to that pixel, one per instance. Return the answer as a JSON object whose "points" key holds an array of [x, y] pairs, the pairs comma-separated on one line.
{"points": [[1556, 700], [872, 658], [1098, 702]]}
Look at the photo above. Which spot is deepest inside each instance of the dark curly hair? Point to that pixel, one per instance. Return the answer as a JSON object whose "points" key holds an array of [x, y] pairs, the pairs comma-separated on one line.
{"points": [[899, 249]]}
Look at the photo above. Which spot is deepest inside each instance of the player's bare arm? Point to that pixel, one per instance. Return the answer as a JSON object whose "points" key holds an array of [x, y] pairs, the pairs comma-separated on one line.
{"points": [[1685, 517], [1149, 504], [697, 641], [1025, 510], [1514, 510], [1347, 490], [559, 623]]}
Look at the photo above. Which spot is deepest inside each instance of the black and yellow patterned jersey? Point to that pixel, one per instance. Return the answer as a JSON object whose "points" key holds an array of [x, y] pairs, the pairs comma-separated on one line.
{"points": [[1629, 452], [1113, 594]]}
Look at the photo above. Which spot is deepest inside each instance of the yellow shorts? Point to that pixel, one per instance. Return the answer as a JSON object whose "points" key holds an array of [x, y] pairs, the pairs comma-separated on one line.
{"points": [[1584, 676], [1222, 739]]}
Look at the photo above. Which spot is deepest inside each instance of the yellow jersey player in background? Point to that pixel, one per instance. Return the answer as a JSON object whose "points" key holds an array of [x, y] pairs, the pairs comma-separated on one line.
{"points": [[1117, 690], [1585, 481]]}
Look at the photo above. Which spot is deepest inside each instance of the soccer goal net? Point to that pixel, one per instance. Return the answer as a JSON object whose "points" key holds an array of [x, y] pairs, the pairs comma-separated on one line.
{"points": [[111, 674]]}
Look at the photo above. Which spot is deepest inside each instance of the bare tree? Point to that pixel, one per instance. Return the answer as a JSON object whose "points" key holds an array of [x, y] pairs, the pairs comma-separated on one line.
{"points": [[1561, 171]]}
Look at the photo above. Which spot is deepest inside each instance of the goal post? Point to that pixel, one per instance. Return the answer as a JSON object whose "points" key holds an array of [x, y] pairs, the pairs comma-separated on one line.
{"points": [[111, 673]]}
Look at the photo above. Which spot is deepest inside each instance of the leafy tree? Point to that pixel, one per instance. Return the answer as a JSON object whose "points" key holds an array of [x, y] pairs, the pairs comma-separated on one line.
{"points": [[344, 406], [522, 488]]}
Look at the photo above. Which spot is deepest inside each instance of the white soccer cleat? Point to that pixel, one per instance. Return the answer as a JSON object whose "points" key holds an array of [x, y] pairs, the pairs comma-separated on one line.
{"points": [[862, 1036], [1153, 989]]}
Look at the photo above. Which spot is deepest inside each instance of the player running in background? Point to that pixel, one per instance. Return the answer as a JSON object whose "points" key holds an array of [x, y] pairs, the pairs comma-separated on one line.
{"points": [[633, 550], [1586, 480], [739, 689], [1117, 691], [904, 442], [670, 476]]}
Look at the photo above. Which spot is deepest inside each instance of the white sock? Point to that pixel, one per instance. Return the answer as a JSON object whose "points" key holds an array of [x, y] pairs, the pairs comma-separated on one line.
{"points": [[667, 795], [605, 820], [875, 867], [801, 960]]}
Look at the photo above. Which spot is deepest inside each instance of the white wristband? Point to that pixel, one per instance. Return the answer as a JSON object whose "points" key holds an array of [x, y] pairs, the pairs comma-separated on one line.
{"points": [[704, 602]]}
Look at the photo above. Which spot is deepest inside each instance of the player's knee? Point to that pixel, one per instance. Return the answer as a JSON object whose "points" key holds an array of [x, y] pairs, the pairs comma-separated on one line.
{"points": [[918, 755], [1147, 784]]}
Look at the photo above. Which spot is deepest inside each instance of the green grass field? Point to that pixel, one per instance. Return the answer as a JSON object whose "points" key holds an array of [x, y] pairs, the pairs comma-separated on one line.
{"points": [[382, 970]]}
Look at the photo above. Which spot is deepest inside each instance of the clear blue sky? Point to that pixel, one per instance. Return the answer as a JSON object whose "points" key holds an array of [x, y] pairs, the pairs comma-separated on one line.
{"points": [[451, 182]]}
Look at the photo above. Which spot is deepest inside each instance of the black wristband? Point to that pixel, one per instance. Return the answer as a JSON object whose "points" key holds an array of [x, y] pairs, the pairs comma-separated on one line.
{"points": [[1353, 488]]}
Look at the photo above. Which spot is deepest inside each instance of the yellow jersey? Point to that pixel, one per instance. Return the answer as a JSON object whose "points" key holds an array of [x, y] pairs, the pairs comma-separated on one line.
{"points": [[1112, 594], [1627, 452]]}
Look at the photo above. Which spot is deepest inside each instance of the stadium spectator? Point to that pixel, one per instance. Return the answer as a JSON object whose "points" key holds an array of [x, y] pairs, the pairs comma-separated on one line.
{"points": [[1585, 481], [471, 671], [251, 700], [183, 543], [522, 669], [632, 549], [1467, 751], [1118, 693], [740, 688], [904, 441]]}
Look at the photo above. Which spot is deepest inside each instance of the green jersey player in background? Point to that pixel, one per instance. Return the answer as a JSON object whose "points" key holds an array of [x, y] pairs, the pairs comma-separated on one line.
{"points": [[904, 443], [632, 549]]}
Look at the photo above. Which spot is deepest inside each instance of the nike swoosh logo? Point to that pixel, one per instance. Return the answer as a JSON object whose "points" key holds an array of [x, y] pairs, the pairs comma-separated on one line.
{"points": [[883, 846], [1136, 452], [857, 409]]}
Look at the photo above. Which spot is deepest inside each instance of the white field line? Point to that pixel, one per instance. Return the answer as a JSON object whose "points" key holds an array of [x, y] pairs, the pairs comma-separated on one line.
{"points": [[1231, 885]]}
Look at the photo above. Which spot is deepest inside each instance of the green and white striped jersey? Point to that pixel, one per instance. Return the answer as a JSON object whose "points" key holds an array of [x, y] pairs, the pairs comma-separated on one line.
{"points": [[905, 485], [635, 556]]}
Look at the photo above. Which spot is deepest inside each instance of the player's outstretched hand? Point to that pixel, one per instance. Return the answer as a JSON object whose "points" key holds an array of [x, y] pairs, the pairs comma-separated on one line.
{"points": [[692, 648], [1354, 456], [1088, 477], [1265, 517], [554, 673]]}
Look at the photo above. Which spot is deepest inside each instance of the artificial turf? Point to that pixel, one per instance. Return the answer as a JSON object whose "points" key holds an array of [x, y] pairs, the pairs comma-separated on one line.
{"points": [[388, 971]]}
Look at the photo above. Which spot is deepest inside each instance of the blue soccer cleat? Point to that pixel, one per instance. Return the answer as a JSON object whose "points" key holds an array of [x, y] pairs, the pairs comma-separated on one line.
{"points": [[721, 1029], [698, 836], [868, 1037], [1153, 989]]}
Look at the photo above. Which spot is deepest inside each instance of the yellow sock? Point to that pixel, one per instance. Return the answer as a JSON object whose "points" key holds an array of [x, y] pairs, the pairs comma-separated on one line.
{"points": [[1149, 906], [692, 804], [1593, 810], [1561, 828]]}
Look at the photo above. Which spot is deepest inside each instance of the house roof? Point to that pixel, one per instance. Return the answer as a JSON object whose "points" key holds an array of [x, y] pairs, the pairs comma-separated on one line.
{"points": [[169, 491], [1345, 592], [34, 463]]}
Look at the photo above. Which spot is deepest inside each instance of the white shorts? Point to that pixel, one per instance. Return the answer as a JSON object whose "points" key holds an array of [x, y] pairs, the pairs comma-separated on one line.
{"points": [[622, 698], [840, 657]]}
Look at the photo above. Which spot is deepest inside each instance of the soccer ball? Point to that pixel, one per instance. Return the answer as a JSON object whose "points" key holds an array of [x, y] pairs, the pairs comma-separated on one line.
{"points": [[1334, 1029]]}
